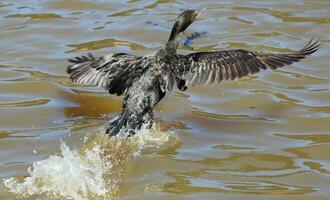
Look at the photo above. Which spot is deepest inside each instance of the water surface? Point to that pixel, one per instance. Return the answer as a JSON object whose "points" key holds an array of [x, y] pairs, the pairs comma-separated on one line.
{"points": [[263, 137]]}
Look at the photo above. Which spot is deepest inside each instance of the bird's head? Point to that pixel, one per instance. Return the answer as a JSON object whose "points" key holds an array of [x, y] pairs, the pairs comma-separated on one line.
{"points": [[186, 18]]}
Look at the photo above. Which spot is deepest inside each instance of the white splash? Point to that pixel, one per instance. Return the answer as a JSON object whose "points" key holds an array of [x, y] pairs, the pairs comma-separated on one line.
{"points": [[70, 175], [92, 172]]}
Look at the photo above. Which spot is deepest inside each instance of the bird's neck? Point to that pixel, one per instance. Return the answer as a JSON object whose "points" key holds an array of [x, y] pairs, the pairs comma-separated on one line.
{"points": [[169, 50], [172, 46], [172, 43], [175, 32]]}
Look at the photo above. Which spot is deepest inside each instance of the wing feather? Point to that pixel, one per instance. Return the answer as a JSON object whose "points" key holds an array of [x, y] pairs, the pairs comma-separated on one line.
{"points": [[113, 72], [209, 67]]}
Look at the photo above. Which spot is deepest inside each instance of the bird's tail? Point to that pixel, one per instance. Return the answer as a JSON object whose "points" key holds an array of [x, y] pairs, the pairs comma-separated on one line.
{"points": [[275, 61], [128, 123], [118, 125]]}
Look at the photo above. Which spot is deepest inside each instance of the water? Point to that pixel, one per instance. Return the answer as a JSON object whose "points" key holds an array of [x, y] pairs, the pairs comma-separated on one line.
{"points": [[262, 137], [93, 172]]}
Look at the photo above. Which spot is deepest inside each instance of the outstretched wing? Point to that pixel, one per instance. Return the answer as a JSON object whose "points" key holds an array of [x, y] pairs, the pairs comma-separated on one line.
{"points": [[113, 72], [209, 67]]}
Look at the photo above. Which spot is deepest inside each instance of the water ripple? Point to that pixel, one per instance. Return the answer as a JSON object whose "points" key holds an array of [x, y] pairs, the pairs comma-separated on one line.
{"points": [[43, 16], [25, 103], [105, 43], [192, 183], [285, 16]]}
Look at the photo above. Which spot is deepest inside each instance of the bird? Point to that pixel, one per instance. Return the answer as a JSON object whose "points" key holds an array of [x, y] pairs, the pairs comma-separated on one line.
{"points": [[145, 80]]}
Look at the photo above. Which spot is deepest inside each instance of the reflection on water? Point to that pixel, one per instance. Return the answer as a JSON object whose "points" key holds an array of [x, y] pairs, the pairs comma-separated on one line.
{"points": [[263, 137]]}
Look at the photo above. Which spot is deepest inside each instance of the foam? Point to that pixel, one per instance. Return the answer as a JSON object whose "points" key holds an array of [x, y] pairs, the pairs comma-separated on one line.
{"points": [[92, 172]]}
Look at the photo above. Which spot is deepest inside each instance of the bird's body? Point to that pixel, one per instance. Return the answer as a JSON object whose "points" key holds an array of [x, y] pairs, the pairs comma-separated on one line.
{"points": [[141, 97], [146, 79]]}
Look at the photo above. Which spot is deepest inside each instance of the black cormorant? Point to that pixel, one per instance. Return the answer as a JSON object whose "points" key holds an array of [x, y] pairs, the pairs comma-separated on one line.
{"points": [[146, 79]]}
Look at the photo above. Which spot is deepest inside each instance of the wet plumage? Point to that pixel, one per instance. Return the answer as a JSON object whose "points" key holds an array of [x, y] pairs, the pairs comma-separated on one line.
{"points": [[145, 79]]}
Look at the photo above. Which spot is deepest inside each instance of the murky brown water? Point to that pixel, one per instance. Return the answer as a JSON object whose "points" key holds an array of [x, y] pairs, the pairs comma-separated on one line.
{"points": [[263, 137]]}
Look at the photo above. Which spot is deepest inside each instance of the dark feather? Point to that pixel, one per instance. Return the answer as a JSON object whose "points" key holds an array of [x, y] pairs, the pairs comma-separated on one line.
{"points": [[208, 67], [112, 72]]}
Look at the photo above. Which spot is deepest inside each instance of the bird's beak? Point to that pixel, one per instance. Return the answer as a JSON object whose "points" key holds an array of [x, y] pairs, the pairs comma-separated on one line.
{"points": [[199, 12]]}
